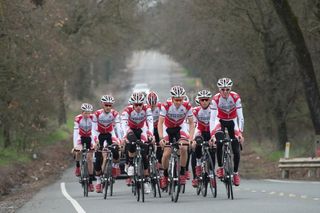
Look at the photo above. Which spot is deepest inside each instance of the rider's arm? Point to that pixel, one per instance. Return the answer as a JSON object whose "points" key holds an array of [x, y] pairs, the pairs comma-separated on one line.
{"points": [[118, 126], [124, 122], [190, 122], [191, 127], [150, 120], [160, 127], [94, 130], [75, 134], [163, 113], [213, 118], [240, 115]]}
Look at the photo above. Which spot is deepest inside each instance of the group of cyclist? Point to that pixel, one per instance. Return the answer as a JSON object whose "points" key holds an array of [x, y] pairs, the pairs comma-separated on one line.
{"points": [[158, 125]]}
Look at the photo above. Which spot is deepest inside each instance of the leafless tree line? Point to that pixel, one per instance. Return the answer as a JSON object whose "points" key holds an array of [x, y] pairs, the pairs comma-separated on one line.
{"points": [[268, 47], [55, 49]]}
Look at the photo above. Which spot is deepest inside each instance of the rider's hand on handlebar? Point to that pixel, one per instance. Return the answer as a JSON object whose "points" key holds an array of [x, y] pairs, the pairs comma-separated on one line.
{"points": [[162, 142], [241, 139], [193, 144], [212, 142]]}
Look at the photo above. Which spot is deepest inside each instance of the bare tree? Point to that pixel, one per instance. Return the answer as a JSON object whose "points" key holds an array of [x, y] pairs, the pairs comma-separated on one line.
{"points": [[307, 73]]}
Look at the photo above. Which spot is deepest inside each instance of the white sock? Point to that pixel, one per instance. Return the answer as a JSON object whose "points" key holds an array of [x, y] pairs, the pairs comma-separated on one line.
{"points": [[98, 179]]}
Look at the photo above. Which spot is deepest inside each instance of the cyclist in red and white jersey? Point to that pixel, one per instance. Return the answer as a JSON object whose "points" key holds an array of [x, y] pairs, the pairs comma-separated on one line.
{"points": [[202, 119], [137, 124], [155, 105], [104, 121], [171, 125], [82, 134], [226, 112]]}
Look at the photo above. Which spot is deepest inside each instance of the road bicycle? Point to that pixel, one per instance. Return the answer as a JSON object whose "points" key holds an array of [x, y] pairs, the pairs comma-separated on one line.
{"points": [[227, 179], [174, 171], [207, 177], [107, 179], [84, 177], [154, 172]]}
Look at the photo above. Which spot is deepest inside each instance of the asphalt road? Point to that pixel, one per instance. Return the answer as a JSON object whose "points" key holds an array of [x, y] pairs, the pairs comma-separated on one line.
{"points": [[251, 196]]}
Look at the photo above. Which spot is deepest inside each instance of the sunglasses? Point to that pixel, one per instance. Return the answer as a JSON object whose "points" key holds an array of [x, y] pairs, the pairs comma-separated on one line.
{"points": [[136, 105], [108, 105], [177, 99], [225, 90], [204, 99]]}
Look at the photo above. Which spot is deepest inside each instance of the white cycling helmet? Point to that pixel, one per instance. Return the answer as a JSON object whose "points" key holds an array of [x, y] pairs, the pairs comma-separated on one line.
{"points": [[204, 94], [86, 107], [196, 100], [177, 92], [224, 82], [152, 98], [137, 98], [107, 99]]}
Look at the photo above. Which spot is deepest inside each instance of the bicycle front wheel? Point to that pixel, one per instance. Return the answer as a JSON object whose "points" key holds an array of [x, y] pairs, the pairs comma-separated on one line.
{"points": [[84, 177], [228, 180], [176, 181], [211, 177]]}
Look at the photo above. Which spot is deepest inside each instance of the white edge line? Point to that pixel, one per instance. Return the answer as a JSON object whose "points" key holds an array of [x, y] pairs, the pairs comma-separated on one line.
{"points": [[291, 181], [75, 204]]}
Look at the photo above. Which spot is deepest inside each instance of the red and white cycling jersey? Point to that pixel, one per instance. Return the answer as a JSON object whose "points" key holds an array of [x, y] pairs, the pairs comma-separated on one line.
{"points": [[82, 128], [156, 114], [104, 122], [202, 118], [131, 119], [227, 107], [174, 117]]}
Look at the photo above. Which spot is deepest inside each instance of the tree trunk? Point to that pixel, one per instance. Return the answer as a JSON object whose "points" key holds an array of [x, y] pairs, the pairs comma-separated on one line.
{"points": [[62, 118], [289, 21], [281, 128], [6, 135]]}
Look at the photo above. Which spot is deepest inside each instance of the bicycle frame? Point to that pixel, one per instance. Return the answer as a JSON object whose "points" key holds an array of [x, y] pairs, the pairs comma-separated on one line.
{"points": [[207, 171]]}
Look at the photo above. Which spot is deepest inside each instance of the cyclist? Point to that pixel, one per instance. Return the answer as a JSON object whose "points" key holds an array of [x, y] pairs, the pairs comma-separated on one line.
{"points": [[202, 120], [226, 112], [82, 134], [105, 122], [155, 105], [137, 123], [171, 124], [187, 173]]}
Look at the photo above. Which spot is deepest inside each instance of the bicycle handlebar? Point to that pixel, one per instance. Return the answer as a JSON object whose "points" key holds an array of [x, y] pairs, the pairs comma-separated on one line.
{"points": [[138, 142]]}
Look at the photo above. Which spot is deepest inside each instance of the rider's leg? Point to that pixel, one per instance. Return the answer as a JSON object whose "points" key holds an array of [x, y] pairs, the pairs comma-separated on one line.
{"points": [[231, 126], [165, 158], [183, 156], [183, 136]]}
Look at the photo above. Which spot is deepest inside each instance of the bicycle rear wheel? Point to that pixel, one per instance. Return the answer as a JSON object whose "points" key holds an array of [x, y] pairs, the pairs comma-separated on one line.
{"points": [[106, 186], [199, 186], [204, 187], [111, 185]]}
